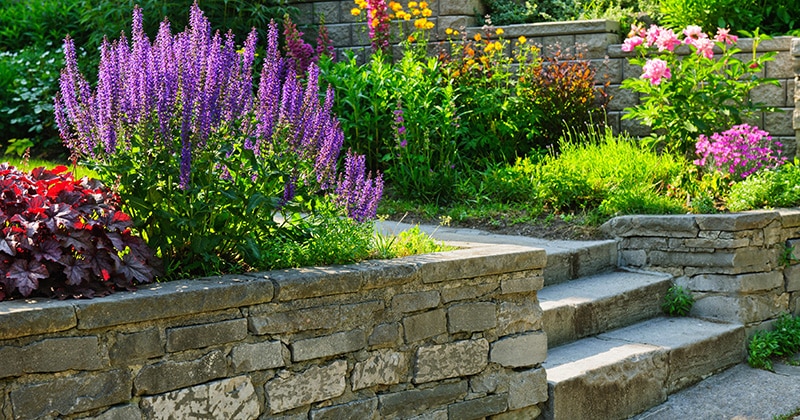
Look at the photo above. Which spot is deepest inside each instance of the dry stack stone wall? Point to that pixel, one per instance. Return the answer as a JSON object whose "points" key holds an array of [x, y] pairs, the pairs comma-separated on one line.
{"points": [[738, 266], [451, 335]]}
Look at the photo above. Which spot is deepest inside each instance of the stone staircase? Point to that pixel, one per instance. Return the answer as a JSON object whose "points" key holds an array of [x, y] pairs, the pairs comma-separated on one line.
{"points": [[611, 352]]}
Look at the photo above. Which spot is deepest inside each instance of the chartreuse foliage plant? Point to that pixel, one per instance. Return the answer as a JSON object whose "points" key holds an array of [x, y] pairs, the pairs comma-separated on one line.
{"points": [[65, 237], [783, 341], [685, 96], [213, 171], [779, 187]]}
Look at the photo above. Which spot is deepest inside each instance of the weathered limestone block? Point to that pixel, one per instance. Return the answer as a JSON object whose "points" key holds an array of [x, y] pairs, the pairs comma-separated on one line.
{"points": [[739, 258], [385, 335], [340, 34], [310, 282], [451, 360], [736, 283], [137, 345], [405, 404], [675, 226], [633, 258], [171, 375], [479, 407], [527, 413], [791, 275], [316, 383], [771, 95], [526, 388], [427, 324], [522, 284], [257, 356], [432, 415], [329, 345], [471, 317], [520, 351], [232, 398], [716, 243], [492, 380], [519, 316], [464, 263], [73, 394], [122, 412], [360, 314], [21, 318], [741, 309], [206, 335], [324, 317], [355, 410], [736, 221], [53, 355], [327, 11], [596, 45], [468, 292], [412, 302], [387, 367], [465, 7]]}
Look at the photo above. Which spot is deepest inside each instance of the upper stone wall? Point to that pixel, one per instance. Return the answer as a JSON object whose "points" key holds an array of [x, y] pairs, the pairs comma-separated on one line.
{"points": [[453, 335]]}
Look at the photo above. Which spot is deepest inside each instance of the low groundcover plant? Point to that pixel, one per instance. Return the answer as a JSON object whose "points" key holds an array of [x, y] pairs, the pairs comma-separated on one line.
{"points": [[65, 237], [205, 161]]}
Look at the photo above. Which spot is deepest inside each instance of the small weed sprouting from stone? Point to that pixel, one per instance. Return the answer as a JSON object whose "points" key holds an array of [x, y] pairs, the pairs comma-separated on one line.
{"points": [[677, 302]]}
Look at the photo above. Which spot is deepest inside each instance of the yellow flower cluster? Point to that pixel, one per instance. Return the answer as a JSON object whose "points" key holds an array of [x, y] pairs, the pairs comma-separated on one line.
{"points": [[419, 11]]}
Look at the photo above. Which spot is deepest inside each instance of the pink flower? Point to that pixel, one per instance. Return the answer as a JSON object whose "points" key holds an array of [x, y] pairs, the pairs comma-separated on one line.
{"points": [[723, 35], [693, 32], [667, 40], [705, 47], [631, 43], [655, 70], [652, 34]]}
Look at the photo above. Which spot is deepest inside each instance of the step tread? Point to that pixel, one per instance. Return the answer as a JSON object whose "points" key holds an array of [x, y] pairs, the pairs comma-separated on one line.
{"points": [[597, 287]]}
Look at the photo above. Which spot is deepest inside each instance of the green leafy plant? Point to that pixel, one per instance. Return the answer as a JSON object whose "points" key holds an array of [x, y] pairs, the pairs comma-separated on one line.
{"points": [[683, 97], [773, 188], [509, 12], [677, 302], [782, 341]]}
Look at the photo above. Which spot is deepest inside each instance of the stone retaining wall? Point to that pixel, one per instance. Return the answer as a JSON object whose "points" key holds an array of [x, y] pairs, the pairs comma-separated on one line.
{"points": [[736, 265], [452, 335]]}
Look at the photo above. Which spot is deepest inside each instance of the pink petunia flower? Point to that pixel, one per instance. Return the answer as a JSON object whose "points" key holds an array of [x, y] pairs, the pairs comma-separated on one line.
{"points": [[655, 70], [723, 35], [631, 43]]}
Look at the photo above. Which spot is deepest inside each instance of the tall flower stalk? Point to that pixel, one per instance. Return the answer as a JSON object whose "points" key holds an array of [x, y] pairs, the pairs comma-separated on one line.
{"points": [[199, 146]]}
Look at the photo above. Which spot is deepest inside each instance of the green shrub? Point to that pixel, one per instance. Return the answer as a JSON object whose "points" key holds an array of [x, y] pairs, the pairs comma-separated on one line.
{"points": [[26, 23], [782, 341], [772, 18], [508, 12], [677, 302], [776, 188]]}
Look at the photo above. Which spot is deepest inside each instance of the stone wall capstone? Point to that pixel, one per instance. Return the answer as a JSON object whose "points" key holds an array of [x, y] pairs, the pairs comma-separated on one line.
{"points": [[424, 335]]}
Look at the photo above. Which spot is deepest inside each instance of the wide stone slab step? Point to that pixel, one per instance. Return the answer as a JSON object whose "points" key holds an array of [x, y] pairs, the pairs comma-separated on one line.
{"points": [[625, 372], [599, 303]]}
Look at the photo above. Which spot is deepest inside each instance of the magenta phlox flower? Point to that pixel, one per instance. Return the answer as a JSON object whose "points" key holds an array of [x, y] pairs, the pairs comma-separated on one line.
{"points": [[723, 35], [631, 43], [740, 151], [655, 70]]}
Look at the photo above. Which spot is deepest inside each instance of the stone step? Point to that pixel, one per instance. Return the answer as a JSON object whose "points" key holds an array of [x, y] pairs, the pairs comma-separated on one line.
{"points": [[595, 304], [623, 372]]}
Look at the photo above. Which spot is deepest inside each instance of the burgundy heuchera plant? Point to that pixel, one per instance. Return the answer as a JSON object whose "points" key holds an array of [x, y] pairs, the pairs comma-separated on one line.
{"points": [[64, 237]]}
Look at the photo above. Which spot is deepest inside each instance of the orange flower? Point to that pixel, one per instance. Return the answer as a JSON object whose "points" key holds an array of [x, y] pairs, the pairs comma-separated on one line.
{"points": [[426, 12], [411, 38], [477, 37], [423, 5]]}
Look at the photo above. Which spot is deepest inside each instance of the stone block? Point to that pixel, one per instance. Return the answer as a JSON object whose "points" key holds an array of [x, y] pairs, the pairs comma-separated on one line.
{"points": [[356, 410], [425, 325], [526, 413], [432, 415], [323, 317], [770, 94], [739, 283], [206, 335], [525, 350], [596, 45], [621, 98], [461, 358], [468, 292], [527, 388], [779, 123], [412, 302], [317, 383], [478, 408], [327, 11], [465, 7], [265, 355], [381, 368], [340, 34], [73, 394], [361, 314], [173, 299], [310, 282], [53, 355], [780, 67], [736, 221], [138, 345], [608, 70], [739, 258], [405, 404], [385, 335], [171, 375], [741, 309], [716, 243], [20, 318], [492, 380], [633, 258], [471, 317], [518, 316], [670, 226], [483, 261], [226, 399], [329, 345], [792, 278], [121, 412], [526, 284]]}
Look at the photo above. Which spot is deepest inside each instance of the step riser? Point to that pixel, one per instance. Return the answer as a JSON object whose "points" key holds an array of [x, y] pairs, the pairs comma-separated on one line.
{"points": [[592, 259], [615, 391], [564, 324]]}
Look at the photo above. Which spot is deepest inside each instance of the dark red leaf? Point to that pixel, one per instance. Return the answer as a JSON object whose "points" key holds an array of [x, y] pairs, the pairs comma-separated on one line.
{"points": [[135, 269], [25, 275]]}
